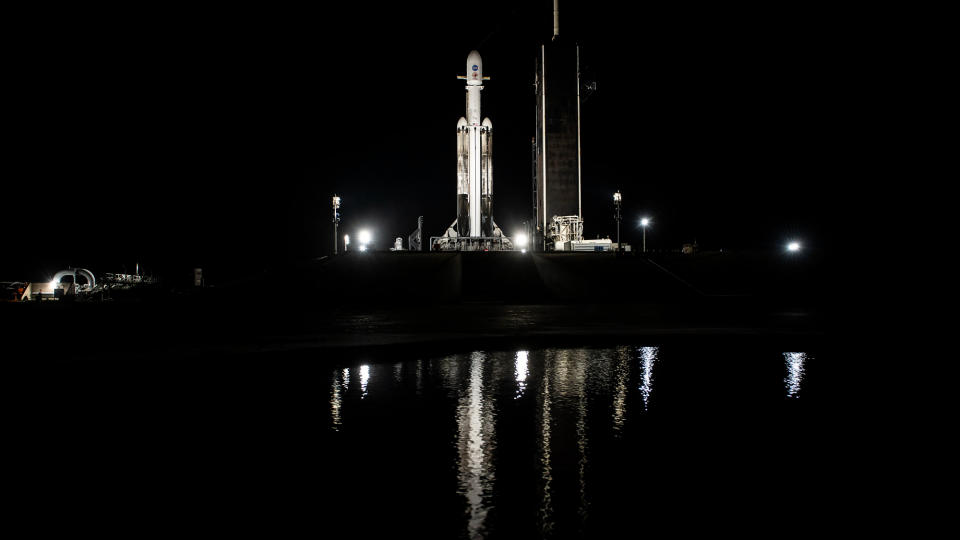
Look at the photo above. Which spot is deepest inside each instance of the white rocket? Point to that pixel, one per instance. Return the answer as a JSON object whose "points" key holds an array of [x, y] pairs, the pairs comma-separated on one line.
{"points": [[474, 162]]}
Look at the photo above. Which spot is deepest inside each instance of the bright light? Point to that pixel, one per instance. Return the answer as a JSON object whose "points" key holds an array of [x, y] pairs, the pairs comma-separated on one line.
{"points": [[363, 247], [645, 221], [364, 237], [336, 202], [793, 246], [346, 239], [616, 197], [521, 240], [523, 251]]}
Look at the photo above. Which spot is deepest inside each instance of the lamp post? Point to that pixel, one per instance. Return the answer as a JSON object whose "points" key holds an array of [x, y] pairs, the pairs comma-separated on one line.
{"points": [[336, 221], [617, 202], [643, 223]]}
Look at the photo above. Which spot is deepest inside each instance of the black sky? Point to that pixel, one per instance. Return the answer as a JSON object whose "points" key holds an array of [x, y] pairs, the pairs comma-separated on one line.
{"points": [[216, 137]]}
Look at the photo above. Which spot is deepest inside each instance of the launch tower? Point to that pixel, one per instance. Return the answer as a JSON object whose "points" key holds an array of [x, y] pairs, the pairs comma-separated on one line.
{"points": [[556, 182]]}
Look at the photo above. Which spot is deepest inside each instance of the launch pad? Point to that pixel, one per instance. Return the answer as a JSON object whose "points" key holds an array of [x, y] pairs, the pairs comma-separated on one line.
{"points": [[471, 243]]}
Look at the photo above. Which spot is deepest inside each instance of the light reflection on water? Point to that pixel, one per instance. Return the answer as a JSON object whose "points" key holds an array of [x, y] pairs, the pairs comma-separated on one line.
{"points": [[521, 372], [475, 423], [620, 395], [795, 362], [364, 380], [335, 403], [576, 402], [648, 357], [545, 510]]}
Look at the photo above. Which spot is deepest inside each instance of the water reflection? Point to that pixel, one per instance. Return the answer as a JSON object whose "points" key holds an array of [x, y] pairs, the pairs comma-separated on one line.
{"points": [[795, 369], [419, 377], [582, 441], [620, 394], [648, 357], [556, 415], [335, 403], [564, 402], [475, 423], [545, 511], [364, 380], [520, 370]]}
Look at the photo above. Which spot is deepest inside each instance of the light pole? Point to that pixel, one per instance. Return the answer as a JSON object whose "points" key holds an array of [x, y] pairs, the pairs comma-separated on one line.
{"points": [[336, 221], [644, 222], [617, 201]]}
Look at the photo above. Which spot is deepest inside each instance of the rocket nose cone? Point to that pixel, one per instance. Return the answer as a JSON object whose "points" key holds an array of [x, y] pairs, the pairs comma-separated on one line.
{"points": [[474, 68]]}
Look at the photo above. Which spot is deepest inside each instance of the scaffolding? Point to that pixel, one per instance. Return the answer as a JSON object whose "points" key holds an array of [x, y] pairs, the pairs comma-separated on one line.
{"points": [[565, 229]]}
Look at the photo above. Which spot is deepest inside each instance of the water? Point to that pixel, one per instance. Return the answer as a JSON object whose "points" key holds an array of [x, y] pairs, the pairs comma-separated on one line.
{"points": [[603, 442], [569, 443]]}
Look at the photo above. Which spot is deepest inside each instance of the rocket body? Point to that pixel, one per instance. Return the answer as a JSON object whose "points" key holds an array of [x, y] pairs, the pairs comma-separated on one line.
{"points": [[474, 159]]}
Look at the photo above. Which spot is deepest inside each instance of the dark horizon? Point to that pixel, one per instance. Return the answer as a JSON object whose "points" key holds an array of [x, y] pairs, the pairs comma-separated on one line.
{"points": [[216, 139]]}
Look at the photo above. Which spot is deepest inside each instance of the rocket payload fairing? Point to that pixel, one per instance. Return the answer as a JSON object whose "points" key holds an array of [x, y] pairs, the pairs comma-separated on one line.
{"points": [[474, 164]]}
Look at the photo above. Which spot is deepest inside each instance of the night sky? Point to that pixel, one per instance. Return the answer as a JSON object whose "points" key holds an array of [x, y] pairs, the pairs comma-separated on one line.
{"points": [[216, 137]]}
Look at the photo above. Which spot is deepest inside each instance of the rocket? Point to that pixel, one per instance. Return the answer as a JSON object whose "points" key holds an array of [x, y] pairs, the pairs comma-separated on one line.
{"points": [[474, 162], [474, 228], [474, 171]]}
